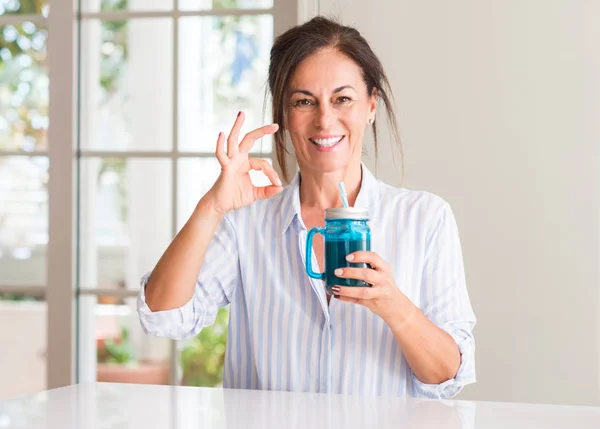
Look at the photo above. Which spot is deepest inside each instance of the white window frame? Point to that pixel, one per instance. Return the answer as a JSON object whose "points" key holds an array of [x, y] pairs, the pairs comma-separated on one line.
{"points": [[61, 291]]}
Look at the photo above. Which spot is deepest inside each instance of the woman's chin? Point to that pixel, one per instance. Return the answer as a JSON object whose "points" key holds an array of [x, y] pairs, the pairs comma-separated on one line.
{"points": [[329, 165]]}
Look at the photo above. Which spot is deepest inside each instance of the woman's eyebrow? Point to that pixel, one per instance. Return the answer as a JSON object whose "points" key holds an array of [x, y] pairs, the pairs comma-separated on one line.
{"points": [[310, 94], [302, 91], [341, 88]]}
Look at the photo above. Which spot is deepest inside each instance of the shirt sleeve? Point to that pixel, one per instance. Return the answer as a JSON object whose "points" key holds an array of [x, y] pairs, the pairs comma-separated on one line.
{"points": [[216, 283], [445, 301]]}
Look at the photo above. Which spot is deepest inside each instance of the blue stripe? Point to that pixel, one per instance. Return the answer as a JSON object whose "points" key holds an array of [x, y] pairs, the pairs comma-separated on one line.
{"points": [[343, 344], [353, 350], [269, 246], [366, 351], [282, 315], [303, 334]]}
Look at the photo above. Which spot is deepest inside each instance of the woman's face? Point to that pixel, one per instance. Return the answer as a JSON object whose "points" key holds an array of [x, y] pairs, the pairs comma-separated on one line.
{"points": [[328, 109]]}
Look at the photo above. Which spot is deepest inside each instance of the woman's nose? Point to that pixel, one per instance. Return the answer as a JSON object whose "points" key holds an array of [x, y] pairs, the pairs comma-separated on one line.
{"points": [[325, 116]]}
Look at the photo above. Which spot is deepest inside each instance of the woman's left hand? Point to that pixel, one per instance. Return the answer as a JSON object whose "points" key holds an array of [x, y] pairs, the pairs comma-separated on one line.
{"points": [[383, 297]]}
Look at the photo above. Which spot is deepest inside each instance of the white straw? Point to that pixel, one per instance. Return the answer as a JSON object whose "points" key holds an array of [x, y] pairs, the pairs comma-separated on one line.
{"points": [[344, 195]]}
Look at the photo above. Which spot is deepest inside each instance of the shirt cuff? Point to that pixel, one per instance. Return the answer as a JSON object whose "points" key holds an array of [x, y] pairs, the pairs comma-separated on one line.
{"points": [[450, 388], [178, 323]]}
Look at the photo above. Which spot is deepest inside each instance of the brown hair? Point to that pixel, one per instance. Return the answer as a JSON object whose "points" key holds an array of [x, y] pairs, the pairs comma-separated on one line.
{"points": [[298, 43]]}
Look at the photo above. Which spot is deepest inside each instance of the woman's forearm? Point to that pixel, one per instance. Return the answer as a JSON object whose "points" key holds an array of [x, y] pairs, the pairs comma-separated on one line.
{"points": [[431, 352], [173, 280]]}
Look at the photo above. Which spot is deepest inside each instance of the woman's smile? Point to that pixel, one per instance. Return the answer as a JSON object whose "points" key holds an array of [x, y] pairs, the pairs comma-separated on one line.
{"points": [[326, 143]]}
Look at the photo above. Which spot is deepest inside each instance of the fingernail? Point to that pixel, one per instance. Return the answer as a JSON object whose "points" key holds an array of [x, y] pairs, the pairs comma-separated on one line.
{"points": [[336, 296], [239, 113], [335, 288], [278, 182], [350, 258], [338, 272], [220, 134]]}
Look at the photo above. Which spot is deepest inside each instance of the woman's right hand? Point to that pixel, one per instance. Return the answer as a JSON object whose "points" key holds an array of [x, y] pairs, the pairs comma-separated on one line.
{"points": [[234, 189]]}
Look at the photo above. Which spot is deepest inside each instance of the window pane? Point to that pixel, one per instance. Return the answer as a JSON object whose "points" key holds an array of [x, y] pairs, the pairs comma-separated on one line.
{"points": [[224, 4], [195, 177], [223, 66], [127, 81], [22, 7], [113, 348], [23, 344], [23, 220], [23, 87], [117, 5], [125, 211]]}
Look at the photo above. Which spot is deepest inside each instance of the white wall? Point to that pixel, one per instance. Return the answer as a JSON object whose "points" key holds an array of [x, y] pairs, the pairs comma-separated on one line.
{"points": [[499, 109], [23, 327]]}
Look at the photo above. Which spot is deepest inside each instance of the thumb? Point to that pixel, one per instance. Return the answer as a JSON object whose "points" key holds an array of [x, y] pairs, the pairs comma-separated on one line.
{"points": [[264, 192]]}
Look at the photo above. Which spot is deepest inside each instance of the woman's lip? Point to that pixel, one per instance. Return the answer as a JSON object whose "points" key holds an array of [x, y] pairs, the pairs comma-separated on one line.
{"points": [[327, 148], [326, 136], [338, 138]]}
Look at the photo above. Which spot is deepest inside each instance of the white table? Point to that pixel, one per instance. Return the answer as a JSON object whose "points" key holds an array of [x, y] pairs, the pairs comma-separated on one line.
{"points": [[124, 406]]}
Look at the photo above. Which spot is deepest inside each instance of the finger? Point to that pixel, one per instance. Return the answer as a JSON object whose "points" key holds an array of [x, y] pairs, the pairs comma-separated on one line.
{"points": [[267, 168], [346, 299], [357, 293], [264, 192], [252, 136], [220, 152], [365, 274], [371, 258], [233, 139]]}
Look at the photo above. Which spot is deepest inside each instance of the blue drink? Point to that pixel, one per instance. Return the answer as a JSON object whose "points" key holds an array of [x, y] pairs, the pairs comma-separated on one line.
{"points": [[335, 257], [346, 231]]}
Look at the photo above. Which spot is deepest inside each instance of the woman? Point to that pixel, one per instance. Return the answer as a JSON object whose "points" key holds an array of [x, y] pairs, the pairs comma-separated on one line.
{"points": [[410, 334]]}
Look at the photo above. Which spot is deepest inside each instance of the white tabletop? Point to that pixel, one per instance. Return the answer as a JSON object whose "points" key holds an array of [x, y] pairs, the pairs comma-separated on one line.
{"points": [[124, 406]]}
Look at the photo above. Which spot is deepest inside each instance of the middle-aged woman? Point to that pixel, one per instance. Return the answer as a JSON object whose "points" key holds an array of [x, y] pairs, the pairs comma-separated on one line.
{"points": [[410, 334]]}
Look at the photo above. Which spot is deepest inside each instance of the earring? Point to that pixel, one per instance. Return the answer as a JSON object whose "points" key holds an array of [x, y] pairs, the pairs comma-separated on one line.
{"points": [[370, 121]]}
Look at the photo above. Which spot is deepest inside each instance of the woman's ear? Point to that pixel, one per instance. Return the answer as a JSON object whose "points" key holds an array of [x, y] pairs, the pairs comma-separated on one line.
{"points": [[373, 103], [372, 106]]}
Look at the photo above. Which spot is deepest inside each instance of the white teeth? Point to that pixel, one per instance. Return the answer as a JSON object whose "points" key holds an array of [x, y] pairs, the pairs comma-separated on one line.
{"points": [[327, 142]]}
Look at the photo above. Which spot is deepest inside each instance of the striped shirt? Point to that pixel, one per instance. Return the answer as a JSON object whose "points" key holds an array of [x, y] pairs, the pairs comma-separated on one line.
{"points": [[283, 335]]}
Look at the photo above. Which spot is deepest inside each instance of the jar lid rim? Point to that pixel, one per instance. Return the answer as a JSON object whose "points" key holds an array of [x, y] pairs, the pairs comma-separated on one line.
{"points": [[347, 213]]}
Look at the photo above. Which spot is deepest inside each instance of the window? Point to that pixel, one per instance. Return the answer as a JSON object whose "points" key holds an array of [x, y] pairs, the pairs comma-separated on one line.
{"points": [[157, 86], [23, 133], [24, 166], [153, 82]]}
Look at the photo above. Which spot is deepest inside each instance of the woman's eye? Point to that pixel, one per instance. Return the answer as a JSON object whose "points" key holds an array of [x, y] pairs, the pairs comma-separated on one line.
{"points": [[344, 99], [303, 102]]}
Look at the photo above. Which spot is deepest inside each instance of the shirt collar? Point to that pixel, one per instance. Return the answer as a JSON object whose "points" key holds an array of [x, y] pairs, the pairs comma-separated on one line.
{"points": [[367, 197]]}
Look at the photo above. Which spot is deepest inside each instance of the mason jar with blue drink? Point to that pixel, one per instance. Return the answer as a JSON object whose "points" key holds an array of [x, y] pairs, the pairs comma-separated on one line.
{"points": [[346, 231]]}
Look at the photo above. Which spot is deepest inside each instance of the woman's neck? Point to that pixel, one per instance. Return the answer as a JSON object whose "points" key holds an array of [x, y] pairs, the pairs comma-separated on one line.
{"points": [[320, 191]]}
